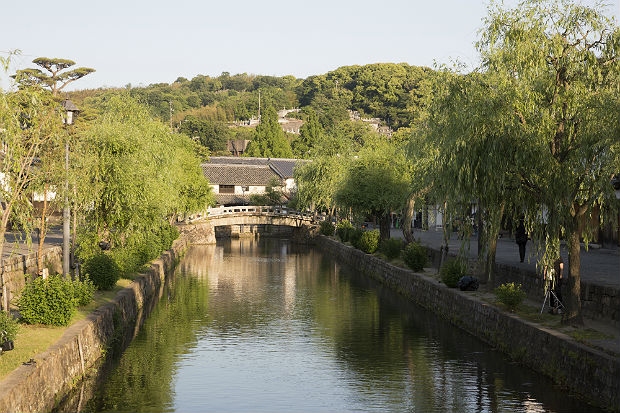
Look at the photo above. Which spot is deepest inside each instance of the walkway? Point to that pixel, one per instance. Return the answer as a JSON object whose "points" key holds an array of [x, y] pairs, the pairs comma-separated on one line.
{"points": [[598, 265], [15, 244]]}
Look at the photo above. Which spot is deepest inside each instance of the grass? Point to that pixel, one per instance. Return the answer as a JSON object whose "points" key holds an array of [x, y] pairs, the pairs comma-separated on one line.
{"points": [[34, 339], [584, 334]]}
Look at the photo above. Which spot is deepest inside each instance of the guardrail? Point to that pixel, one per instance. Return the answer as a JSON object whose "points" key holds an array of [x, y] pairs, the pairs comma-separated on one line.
{"points": [[262, 210]]}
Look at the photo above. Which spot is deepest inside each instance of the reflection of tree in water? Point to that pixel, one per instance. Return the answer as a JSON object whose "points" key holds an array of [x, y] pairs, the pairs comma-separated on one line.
{"points": [[389, 352], [397, 349], [142, 380]]}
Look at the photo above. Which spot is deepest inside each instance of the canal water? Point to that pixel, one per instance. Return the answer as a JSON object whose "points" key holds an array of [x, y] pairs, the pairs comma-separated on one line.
{"points": [[267, 325]]}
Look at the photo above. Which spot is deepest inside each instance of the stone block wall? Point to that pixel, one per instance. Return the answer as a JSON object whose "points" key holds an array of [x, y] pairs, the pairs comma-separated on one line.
{"points": [[597, 302], [17, 267], [591, 373], [38, 385]]}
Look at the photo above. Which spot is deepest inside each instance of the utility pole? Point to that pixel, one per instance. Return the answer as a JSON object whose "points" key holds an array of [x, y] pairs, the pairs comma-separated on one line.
{"points": [[259, 105], [170, 104], [66, 229]]}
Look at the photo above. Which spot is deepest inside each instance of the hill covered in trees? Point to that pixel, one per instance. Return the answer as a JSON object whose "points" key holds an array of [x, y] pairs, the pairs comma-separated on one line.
{"points": [[207, 107]]}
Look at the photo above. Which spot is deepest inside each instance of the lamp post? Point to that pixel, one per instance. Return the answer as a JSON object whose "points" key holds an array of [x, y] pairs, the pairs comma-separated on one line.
{"points": [[70, 111]]}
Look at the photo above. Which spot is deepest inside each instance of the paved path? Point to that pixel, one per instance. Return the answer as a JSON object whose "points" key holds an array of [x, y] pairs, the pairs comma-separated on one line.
{"points": [[598, 266], [16, 244]]}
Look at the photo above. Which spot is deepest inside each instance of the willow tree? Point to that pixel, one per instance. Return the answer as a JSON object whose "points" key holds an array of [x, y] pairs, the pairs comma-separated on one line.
{"points": [[561, 59], [376, 182], [318, 181], [136, 175], [29, 122], [472, 123]]}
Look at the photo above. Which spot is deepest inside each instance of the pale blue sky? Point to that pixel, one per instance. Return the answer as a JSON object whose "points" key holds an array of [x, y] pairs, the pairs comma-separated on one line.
{"points": [[151, 41]]}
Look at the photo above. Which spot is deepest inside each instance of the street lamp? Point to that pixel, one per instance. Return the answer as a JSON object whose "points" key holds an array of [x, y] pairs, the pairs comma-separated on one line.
{"points": [[70, 112]]}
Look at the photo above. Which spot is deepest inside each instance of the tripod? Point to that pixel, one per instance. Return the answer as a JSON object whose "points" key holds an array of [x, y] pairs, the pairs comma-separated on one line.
{"points": [[548, 294]]}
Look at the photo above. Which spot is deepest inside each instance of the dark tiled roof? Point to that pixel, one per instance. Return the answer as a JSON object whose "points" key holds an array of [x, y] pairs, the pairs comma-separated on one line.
{"points": [[282, 166], [235, 174]]}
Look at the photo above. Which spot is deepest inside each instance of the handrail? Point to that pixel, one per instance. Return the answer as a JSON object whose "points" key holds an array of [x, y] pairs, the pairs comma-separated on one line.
{"points": [[256, 209]]}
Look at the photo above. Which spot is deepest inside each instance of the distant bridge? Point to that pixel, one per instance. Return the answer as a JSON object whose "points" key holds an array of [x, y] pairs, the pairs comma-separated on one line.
{"points": [[258, 215], [248, 216]]}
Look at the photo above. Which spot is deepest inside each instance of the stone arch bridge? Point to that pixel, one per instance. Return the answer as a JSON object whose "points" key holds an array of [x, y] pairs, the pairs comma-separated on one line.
{"points": [[202, 228]]}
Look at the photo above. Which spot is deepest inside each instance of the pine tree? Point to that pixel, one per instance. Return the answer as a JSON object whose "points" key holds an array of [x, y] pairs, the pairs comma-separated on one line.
{"points": [[269, 140]]}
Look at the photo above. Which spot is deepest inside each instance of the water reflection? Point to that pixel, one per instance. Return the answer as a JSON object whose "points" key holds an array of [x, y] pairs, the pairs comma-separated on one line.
{"points": [[270, 326]]}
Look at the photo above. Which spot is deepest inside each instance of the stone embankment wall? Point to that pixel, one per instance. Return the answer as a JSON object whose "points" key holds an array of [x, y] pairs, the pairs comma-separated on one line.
{"points": [[36, 386], [597, 302], [586, 371], [16, 268]]}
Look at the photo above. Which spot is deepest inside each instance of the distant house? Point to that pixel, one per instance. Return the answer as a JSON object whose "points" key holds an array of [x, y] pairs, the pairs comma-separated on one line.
{"points": [[235, 179], [237, 147]]}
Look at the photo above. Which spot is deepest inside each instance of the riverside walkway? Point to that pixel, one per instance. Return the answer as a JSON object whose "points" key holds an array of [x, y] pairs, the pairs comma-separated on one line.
{"points": [[599, 266]]}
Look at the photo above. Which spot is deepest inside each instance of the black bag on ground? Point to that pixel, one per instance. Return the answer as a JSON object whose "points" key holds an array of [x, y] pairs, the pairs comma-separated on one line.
{"points": [[468, 283]]}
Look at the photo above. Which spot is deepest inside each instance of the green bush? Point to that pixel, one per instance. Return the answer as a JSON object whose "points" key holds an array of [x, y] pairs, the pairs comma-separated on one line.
{"points": [[327, 228], [452, 271], [510, 294], [127, 259], [369, 241], [415, 256], [355, 234], [49, 301], [343, 229], [83, 291], [8, 327], [391, 247], [168, 234], [102, 270]]}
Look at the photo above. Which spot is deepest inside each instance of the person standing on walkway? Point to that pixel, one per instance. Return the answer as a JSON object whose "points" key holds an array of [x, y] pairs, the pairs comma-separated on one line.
{"points": [[521, 238]]}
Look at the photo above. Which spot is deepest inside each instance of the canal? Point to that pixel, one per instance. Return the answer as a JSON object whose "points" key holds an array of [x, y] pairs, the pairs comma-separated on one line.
{"points": [[267, 325]]}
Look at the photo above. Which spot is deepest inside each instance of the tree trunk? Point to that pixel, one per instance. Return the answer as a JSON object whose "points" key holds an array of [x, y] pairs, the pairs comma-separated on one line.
{"points": [[445, 247], [42, 233], [492, 234], [482, 256], [385, 222], [408, 220], [572, 302]]}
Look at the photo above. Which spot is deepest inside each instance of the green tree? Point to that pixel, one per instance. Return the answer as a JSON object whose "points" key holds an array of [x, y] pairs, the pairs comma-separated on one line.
{"points": [[562, 62], [269, 140], [29, 123], [211, 134], [310, 135], [55, 79], [136, 175], [376, 182]]}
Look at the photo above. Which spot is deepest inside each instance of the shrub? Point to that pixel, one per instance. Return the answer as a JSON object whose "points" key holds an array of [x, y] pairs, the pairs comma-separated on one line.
{"points": [[83, 291], [49, 301], [369, 241], [452, 271], [8, 327], [510, 294], [343, 230], [127, 259], [168, 234], [102, 270], [415, 256], [355, 234], [327, 228], [391, 247]]}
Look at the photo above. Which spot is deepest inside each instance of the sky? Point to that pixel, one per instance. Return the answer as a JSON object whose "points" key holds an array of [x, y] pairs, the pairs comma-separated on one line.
{"points": [[152, 41]]}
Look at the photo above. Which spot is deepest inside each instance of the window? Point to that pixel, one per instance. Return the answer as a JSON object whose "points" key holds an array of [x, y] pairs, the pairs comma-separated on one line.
{"points": [[227, 189]]}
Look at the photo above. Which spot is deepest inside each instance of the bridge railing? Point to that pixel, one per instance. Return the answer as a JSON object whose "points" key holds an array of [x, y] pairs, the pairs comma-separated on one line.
{"points": [[255, 209]]}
